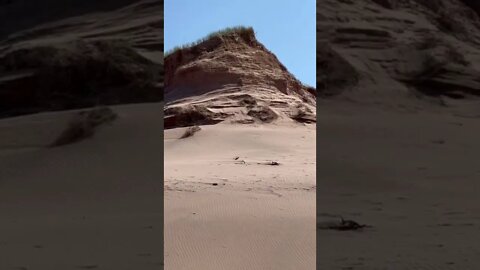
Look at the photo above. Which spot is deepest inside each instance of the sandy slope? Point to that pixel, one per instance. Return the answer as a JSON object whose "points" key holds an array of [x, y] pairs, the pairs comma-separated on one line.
{"points": [[109, 53], [140, 23], [400, 139], [378, 52], [93, 204], [410, 172], [222, 213], [18, 15]]}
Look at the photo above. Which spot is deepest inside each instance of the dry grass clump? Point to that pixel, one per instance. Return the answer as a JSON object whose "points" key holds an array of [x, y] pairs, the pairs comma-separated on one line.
{"points": [[190, 131], [229, 30], [83, 125]]}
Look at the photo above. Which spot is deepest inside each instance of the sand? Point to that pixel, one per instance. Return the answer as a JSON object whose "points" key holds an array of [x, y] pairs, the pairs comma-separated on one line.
{"points": [[412, 173], [96, 204], [225, 208]]}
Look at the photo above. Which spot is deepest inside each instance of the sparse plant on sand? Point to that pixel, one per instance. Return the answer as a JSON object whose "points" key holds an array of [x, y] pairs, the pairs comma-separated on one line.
{"points": [[83, 125], [190, 131]]}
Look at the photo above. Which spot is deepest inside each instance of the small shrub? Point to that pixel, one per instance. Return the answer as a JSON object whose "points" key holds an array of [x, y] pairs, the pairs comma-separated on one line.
{"points": [[76, 131], [83, 125], [190, 131]]}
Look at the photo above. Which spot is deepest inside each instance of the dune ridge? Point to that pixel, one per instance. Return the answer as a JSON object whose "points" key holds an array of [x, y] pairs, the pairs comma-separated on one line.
{"points": [[231, 76]]}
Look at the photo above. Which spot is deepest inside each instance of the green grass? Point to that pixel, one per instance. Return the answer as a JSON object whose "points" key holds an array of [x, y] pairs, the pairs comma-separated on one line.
{"points": [[222, 32]]}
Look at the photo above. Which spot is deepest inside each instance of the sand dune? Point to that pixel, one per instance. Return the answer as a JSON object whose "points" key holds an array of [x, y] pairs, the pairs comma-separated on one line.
{"points": [[230, 76]]}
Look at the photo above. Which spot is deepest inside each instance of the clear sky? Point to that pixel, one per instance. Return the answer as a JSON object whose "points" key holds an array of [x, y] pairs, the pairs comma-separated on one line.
{"points": [[285, 27]]}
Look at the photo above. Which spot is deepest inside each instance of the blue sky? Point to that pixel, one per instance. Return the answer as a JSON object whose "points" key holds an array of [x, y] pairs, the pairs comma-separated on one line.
{"points": [[285, 27]]}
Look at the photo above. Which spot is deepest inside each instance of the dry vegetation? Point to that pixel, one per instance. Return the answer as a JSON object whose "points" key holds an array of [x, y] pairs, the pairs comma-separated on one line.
{"points": [[190, 131], [83, 125], [225, 31]]}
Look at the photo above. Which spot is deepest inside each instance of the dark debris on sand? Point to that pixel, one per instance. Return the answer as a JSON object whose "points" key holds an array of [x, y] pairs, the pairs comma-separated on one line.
{"points": [[342, 225]]}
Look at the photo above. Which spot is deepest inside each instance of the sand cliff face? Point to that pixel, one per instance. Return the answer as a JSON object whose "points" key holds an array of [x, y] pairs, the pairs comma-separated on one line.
{"points": [[388, 49], [232, 76], [95, 53]]}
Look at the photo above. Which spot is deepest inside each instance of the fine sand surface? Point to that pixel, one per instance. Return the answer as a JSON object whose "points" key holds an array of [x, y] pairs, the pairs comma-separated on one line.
{"points": [[411, 172], [95, 204], [226, 208]]}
